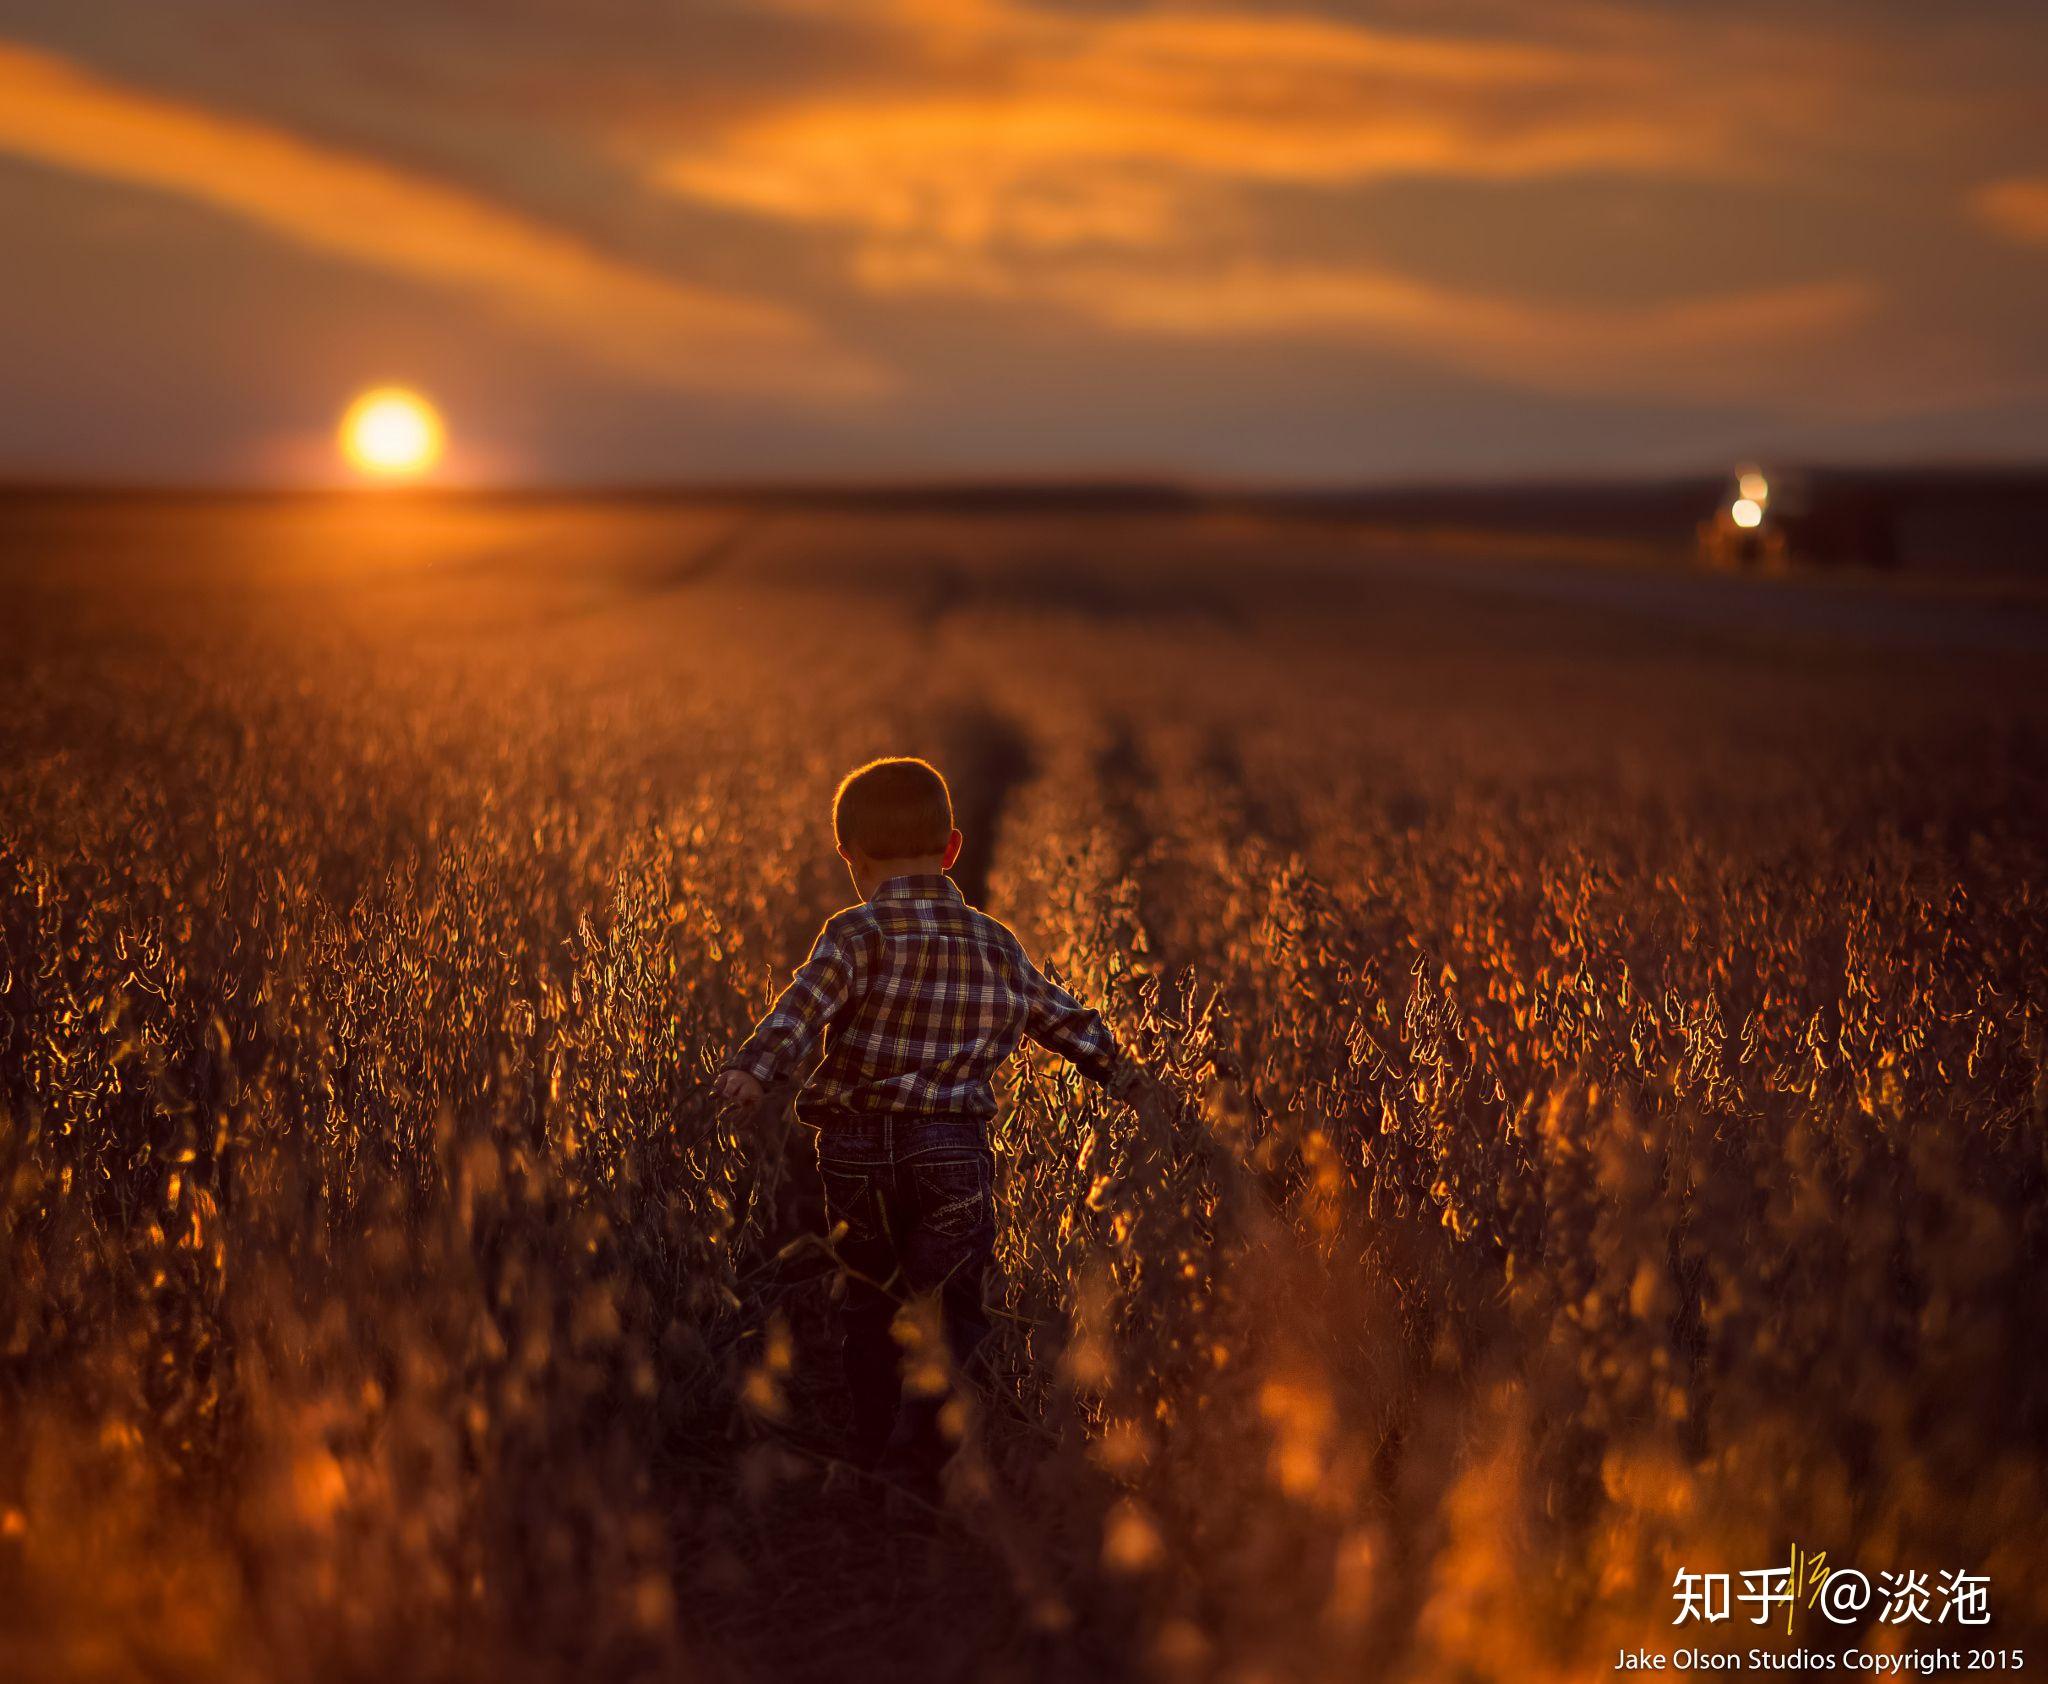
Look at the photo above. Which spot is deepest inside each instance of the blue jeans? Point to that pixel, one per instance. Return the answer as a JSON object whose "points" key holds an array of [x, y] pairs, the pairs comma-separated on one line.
{"points": [[916, 1195]]}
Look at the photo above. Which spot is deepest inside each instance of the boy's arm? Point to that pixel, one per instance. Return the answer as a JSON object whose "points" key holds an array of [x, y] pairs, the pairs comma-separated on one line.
{"points": [[1060, 1023], [819, 991]]}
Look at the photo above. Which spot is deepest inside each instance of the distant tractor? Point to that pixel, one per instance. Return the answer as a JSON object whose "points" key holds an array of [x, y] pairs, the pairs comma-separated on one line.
{"points": [[1794, 517]]}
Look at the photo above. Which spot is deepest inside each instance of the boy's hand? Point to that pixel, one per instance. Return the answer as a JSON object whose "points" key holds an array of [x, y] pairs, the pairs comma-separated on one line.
{"points": [[737, 1085], [1132, 1083]]}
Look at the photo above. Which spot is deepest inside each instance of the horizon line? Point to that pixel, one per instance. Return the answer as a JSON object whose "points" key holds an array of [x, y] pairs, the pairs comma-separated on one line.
{"points": [[1108, 487]]}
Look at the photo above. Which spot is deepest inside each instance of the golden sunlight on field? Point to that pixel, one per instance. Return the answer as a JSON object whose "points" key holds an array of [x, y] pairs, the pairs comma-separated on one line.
{"points": [[1602, 1137]]}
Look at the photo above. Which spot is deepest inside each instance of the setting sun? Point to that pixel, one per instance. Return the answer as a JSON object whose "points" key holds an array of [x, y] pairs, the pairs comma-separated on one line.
{"points": [[392, 433]]}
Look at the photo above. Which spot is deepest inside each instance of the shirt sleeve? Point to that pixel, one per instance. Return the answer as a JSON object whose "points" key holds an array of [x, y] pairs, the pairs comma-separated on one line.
{"points": [[823, 986], [1060, 1023]]}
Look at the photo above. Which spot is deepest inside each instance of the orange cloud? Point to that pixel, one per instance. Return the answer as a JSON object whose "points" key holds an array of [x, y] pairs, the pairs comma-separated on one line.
{"points": [[1122, 130], [1752, 344], [1009, 123], [539, 277], [2016, 208], [1113, 165], [1726, 345]]}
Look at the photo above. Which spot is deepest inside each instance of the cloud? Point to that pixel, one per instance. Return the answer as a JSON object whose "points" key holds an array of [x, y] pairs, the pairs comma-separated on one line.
{"points": [[1045, 128], [633, 320], [1750, 344], [1125, 166], [2015, 208], [1009, 121]]}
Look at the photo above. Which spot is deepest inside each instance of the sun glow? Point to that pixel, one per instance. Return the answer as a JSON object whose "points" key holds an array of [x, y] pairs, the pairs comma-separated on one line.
{"points": [[392, 433], [1747, 511]]}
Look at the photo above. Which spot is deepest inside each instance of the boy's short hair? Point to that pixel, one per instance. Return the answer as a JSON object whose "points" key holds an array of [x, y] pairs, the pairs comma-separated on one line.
{"points": [[894, 809]]}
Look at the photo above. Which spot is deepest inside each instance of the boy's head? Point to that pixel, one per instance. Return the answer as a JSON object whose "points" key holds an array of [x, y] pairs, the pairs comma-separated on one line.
{"points": [[894, 813]]}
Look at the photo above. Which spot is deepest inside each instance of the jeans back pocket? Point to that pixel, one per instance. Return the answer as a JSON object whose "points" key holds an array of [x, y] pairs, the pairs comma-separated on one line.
{"points": [[953, 1193]]}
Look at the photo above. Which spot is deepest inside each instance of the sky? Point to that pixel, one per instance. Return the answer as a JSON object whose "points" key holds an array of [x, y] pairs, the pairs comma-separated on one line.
{"points": [[684, 240]]}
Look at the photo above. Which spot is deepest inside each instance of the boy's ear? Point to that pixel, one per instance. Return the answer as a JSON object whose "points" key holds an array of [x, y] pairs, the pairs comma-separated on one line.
{"points": [[845, 853], [952, 851]]}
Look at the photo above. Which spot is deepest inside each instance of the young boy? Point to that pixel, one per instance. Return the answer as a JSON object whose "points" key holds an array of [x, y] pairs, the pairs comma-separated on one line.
{"points": [[919, 998]]}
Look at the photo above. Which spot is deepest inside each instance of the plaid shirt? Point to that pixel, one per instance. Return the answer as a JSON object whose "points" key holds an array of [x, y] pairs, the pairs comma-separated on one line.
{"points": [[920, 997]]}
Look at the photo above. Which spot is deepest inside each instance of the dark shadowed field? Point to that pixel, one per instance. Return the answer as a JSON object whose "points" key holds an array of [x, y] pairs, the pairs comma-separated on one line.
{"points": [[1602, 1011]]}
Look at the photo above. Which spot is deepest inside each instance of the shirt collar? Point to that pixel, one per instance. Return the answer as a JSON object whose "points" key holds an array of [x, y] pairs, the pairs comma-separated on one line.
{"points": [[921, 885]]}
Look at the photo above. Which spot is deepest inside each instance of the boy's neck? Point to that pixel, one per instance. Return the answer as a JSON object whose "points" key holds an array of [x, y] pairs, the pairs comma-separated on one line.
{"points": [[870, 875]]}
